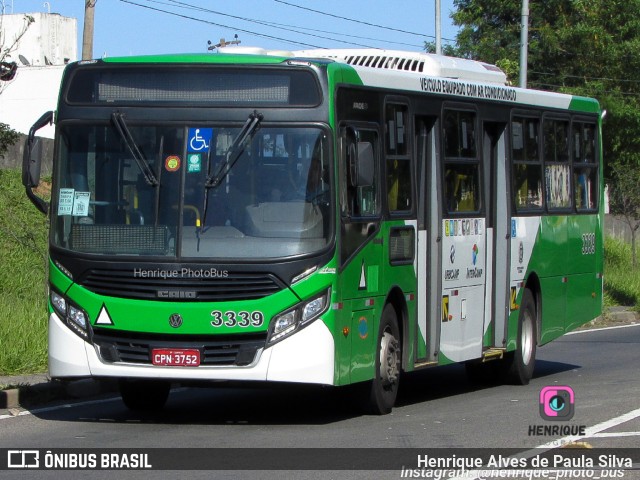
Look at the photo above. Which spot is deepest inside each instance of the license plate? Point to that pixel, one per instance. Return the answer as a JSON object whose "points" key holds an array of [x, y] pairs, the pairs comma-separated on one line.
{"points": [[175, 357]]}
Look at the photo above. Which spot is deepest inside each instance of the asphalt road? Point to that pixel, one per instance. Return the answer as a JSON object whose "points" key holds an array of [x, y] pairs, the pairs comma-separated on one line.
{"points": [[436, 408]]}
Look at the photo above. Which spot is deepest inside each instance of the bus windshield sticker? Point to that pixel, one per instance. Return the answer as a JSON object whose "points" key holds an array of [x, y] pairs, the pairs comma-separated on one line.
{"points": [[172, 163], [199, 139], [65, 201], [71, 202], [81, 204], [194, 163]]}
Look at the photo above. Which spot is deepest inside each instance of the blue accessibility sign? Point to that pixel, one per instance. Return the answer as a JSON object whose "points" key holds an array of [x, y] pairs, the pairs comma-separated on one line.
{"points": [[199, 139]]}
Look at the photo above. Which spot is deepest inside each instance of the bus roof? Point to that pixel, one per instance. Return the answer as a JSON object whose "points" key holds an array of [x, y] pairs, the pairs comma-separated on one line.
{"points": [[439, 74], [417, 62], [397, 70]]}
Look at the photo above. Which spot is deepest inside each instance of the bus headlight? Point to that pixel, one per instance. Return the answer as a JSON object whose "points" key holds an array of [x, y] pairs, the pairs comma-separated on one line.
{"points": [[75, 318], [296, 318], [76, 315], [59, 303]]}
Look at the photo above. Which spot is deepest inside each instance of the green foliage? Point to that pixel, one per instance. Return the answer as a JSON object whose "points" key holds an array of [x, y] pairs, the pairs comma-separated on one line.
{"points": [[447, 49], [8, 136], [490, 29], [510, 67], [624, 196], [571, 43], [23, 249], [621, 283]]}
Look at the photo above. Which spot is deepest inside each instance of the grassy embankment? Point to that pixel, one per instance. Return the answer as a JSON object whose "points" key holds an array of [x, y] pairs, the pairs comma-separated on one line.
{"points": [[23, 317], [621, 280]]}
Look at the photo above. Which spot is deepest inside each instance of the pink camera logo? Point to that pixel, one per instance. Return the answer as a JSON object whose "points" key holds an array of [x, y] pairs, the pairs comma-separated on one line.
{"points": [[557, 403]]}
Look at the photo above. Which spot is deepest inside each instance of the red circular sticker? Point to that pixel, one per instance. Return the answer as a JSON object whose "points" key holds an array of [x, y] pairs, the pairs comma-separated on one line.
{"points": [[172, 163]]}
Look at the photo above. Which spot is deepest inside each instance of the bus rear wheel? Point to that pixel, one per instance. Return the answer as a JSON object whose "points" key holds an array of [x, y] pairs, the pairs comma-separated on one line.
{"points": [[520, 363], [144, 395], [383, 389]]}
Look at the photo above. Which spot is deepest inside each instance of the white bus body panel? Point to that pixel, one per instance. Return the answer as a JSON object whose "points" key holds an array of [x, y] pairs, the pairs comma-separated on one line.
{"points": [[464, 258]]}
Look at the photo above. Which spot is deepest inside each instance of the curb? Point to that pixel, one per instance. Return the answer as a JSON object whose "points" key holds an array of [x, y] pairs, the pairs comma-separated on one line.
{"points": [[613, 317], [623, 315]]}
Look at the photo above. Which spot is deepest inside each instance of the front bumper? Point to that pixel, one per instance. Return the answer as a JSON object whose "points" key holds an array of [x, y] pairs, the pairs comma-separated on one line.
{"points": [[306, 357]]}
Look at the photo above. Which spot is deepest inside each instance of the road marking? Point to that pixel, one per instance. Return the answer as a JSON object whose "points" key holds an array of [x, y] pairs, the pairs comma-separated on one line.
{"points": [[616, 434], [58, 407], [53, 408], [575, 332], [589, 432]]}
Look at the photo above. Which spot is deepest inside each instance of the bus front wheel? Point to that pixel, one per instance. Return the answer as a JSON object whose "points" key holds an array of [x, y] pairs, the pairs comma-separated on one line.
{"points": [[520, 363], [144, 395], [383, 389]]}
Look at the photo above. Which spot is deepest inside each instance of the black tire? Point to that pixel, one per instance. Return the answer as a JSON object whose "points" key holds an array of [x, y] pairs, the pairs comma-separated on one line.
{"points": [[383, 389], [520, 363], [144, 395]]}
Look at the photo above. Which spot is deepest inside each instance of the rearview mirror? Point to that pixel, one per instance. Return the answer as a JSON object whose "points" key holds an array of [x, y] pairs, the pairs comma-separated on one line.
{"points": [[360, 160], [32, 162], [365, 164]]}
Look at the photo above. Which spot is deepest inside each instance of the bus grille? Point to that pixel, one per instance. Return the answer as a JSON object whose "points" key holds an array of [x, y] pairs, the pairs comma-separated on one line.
{"points": [[222, 350], [229, 287]]}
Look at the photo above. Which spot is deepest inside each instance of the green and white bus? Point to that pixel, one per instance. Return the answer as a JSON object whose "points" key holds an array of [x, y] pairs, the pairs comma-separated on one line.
{"points": [[327, 217]]}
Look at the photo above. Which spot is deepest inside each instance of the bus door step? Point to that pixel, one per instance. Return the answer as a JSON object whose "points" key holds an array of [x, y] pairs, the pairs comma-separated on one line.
{"points": [[493, 354]]}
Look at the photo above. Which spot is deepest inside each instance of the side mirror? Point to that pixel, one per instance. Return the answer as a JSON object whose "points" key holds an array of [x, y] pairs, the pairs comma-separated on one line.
{"points": [[32, 162]]}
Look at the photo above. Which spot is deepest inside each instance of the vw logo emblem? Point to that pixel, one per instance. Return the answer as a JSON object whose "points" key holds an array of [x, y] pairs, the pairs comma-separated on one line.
{"points": [[175, 320]]}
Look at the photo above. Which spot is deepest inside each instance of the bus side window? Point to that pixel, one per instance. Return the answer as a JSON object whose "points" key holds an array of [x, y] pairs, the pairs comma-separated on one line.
{"points": [[557, 173], [527, 164], [399, 184], [398, 159], [461, 162], [461, 188], [585, 167]]}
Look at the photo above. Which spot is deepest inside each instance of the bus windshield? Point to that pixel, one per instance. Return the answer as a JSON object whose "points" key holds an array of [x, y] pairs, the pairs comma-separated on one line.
{"points": [[145, 192]]}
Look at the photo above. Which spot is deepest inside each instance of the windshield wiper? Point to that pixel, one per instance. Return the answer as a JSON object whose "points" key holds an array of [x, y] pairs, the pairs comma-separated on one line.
{"points": [[125, 134], [234, 152]]}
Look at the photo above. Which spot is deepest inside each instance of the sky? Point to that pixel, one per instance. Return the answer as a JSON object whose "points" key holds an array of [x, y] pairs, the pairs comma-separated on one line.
{"points": [[141, 27]]}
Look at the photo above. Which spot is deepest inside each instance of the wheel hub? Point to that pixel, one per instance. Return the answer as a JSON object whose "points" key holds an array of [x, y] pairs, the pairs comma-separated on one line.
{"points": [[527, 339], [389, 359]]}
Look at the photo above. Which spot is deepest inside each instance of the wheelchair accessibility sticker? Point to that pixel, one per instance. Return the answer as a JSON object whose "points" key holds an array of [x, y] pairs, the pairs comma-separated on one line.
{"points": [[199, 139]]}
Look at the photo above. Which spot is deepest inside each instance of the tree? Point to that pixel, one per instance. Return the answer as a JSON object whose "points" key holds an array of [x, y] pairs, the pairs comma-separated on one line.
{"points": [[447, 49], [8, 69], [490, 29], [8, 137], [624, 197], [8, 46]]}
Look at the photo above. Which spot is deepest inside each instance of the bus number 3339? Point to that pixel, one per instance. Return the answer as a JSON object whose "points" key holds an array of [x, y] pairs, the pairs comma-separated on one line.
{"points": [[588, 243], [241, 319]]}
